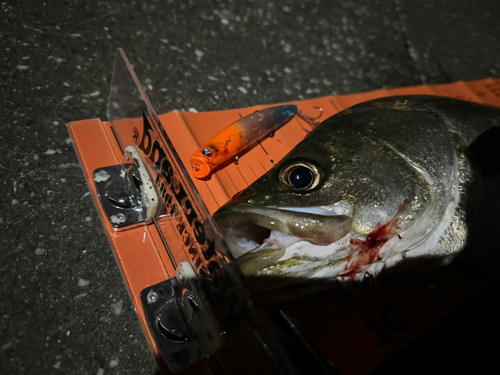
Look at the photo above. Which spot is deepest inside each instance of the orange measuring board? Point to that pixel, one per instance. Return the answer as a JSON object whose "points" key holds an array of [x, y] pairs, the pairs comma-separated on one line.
{"points": [[355, 335]]}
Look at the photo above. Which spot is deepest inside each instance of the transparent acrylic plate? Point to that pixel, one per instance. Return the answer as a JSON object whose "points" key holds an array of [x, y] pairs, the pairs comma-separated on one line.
{"points": [[186, 228], [183, 220]]}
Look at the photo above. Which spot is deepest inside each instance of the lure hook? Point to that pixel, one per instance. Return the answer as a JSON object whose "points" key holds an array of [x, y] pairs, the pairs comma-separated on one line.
{"points": [[313, 121]]}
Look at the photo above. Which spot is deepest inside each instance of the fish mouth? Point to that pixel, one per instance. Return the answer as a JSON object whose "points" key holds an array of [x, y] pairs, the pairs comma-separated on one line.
{"points": [[258, 237]]}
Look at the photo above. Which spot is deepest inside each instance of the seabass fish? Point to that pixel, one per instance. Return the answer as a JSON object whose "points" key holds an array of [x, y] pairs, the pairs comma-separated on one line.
{"points": [[372, 187]]}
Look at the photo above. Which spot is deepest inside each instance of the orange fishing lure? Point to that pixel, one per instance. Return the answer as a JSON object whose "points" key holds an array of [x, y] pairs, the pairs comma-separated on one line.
{"points": [[241, 135]]}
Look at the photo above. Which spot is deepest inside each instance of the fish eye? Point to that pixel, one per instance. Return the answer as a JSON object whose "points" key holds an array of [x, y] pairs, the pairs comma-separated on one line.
{"points": [[301, 176]]}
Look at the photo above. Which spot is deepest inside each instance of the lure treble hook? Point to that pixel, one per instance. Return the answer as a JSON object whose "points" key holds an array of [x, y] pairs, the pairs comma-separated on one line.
{"points": [[313, 121]]}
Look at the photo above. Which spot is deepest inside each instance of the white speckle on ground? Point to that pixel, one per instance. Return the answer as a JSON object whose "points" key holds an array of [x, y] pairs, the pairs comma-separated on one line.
{"points": [[15, 201], [57, 365], [6, 346], [75, 35], [32, 194], [50, 152], [163, 40], [113, 363], [88, 219], [83, 283], [68, 140], [85, 195], [35, 156], [66, 98], [39, 251], [223, 18], [55, 123], [80, 295], [199, 53], [312, 91], [242, 89], [95, 93], [63, 180], [100, 371], [212, 78], [287, 70], [117, 307], [58, 59], [15, 186], [66, 84], [68, 333], [174, 48], [413, 53], [22, 67]]}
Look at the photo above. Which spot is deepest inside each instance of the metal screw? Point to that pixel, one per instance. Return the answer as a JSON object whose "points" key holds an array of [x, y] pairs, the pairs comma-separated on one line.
{"points": [[102, 174], [152, 296], [120, 217], [181, 277], [196, 167]]}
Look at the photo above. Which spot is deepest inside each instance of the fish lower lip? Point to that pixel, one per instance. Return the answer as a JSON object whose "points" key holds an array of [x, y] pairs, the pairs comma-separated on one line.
{"points": [[265, 255]]}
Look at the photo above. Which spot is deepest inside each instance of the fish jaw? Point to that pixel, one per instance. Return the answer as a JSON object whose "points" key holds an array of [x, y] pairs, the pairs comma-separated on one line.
{"points": [[250, 230]]}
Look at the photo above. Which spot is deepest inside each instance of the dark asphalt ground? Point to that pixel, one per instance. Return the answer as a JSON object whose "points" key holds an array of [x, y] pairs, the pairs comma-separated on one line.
{"points": [[63, 306]]}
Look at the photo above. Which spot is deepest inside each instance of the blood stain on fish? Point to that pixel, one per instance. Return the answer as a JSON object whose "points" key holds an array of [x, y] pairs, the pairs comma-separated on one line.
{"points": [[368, 251]]}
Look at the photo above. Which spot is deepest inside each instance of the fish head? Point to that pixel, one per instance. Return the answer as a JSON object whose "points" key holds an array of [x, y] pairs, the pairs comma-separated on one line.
{"points": [[328, 208]]}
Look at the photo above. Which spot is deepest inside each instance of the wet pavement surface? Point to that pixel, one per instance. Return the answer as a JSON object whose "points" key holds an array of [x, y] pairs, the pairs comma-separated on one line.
{"points": [[63, 305]]}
